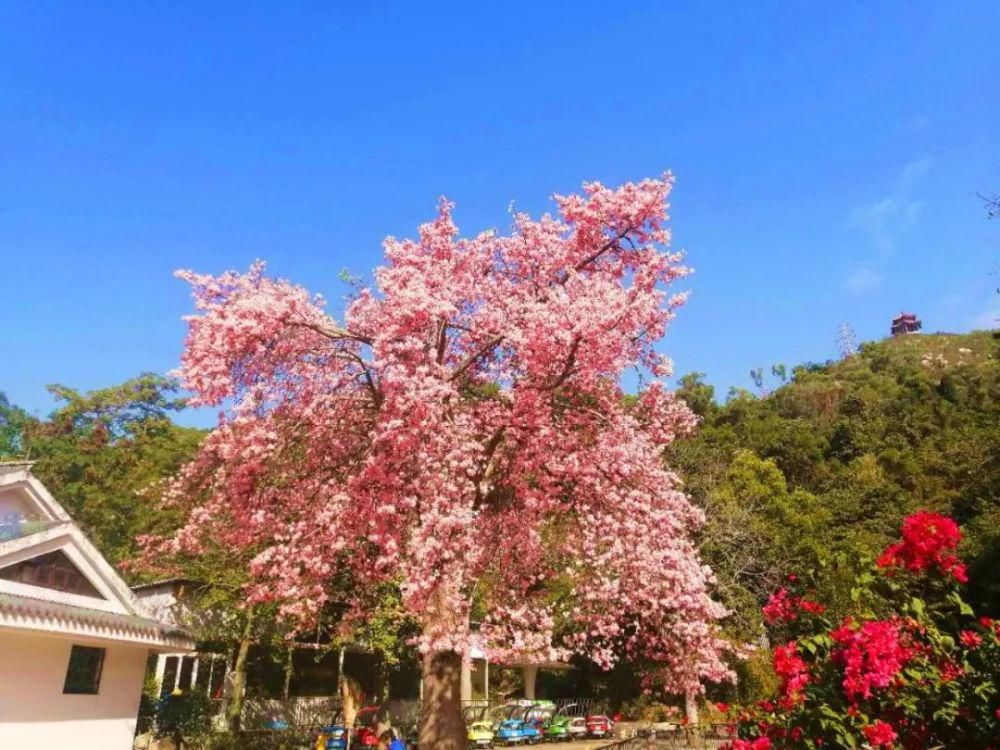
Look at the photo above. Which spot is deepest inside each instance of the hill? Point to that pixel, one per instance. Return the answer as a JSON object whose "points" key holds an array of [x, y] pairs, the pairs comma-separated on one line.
{"points": [[819, 471]]}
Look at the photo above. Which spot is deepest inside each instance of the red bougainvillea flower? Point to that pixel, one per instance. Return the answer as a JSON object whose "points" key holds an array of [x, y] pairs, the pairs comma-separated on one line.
{"points": [[880, 734], [814, 608], [722, 707], [785, 607], [951, 671], [792, 670], [761, 743], [779, 607], [872, 655], [970, 639], [928, 539]]}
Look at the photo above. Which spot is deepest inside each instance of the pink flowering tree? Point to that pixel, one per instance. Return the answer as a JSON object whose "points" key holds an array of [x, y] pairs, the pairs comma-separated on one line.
{"points": [[463, 434], [914, 669]]}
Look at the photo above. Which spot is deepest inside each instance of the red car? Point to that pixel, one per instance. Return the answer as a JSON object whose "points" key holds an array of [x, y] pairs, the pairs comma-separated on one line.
{"points": [[599, 725], [365, 727]]}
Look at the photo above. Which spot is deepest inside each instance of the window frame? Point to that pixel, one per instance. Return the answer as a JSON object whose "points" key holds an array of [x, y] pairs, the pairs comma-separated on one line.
{"points": [[93, 682]]}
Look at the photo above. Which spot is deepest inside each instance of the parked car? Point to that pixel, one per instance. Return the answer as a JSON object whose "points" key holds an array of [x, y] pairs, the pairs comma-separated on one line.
{"points": [[510, 732], [480, 734], [556, 727], [577, 728], [599, 725], [531, 731], [333, 737], [366, 727]]}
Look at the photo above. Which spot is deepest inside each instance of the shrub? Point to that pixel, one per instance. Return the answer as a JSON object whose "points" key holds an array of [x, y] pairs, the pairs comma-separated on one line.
{"points": [[912, 669]]}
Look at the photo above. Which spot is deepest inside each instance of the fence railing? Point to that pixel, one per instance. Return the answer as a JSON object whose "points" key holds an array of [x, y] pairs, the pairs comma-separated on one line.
{"points": [[708, 736]]}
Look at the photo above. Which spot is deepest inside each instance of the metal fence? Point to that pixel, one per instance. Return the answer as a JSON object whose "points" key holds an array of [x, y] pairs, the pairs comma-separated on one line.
{"points": [[708, 737]]}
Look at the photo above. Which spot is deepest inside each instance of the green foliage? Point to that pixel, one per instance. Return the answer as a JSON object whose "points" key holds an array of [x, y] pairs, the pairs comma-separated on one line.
{"points": [[100, 451], [12, 420], [818, 473], [183, 716]]}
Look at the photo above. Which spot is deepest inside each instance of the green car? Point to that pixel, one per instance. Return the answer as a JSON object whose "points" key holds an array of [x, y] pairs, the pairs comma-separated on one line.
{"points": [[556, 728]]}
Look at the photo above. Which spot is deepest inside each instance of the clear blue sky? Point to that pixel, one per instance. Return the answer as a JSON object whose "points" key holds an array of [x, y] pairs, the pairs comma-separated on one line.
{"points": [[827, 156]]}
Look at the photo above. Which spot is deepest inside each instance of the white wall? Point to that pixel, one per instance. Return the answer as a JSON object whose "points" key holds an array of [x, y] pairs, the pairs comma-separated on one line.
{"points": [[34, 713]]}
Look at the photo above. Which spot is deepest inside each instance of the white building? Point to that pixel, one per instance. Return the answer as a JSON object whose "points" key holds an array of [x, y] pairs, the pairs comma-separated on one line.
{"points": [[74, 640]]}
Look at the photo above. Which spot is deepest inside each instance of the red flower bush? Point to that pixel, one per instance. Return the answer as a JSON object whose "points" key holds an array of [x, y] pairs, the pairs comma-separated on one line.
{"points": [[928, 542], [785, 607], [880, 734], [871, 655], [923, 672], [792, 670], [761, 743]]}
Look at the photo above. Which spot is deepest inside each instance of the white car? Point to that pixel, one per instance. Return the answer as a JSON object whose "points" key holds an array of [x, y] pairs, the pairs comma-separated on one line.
{"points": [[577, 728]]}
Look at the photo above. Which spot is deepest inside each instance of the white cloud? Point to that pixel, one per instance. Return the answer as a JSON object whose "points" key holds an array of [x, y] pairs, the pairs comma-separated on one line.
{"points": [[883, 218], [913, 172], [862, 280]]}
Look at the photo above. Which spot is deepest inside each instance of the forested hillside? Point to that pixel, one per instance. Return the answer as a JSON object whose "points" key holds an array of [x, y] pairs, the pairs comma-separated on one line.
{"points": [[819, 472]]}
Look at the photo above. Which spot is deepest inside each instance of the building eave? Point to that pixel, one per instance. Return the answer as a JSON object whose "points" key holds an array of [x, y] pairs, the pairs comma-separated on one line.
{"points": [[53, 618]]}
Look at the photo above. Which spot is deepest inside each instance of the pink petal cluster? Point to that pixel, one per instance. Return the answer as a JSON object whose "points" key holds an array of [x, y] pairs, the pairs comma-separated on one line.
{"points": [[871, 654], [463, 434], [929, 540]]}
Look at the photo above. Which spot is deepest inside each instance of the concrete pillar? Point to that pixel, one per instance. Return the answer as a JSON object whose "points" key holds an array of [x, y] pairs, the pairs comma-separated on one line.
{"points": [[161, 666], [465, 689], [530, 672], [486, 679]]}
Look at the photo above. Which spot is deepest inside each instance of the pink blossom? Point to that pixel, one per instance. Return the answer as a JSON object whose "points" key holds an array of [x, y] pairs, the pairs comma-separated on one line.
{"points": [[462, 434]]}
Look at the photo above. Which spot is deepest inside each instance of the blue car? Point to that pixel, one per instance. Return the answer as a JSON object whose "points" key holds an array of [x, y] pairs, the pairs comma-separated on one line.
{"points": [[531, 732], [510, 732], [333, 737]]}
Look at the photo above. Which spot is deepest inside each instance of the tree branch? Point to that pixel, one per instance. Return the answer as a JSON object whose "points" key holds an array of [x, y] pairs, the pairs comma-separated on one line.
{"points": [[471, 359], [334, 333], [568, 367]]}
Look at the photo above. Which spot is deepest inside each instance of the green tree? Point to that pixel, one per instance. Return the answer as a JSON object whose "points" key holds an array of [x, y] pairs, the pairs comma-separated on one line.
{"points": [[818, 473], [12, 420], [100, 451]]}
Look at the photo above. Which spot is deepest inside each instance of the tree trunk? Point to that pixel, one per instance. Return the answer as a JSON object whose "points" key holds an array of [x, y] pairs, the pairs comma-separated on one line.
{"points": [[351, 700], [237, 688], [441, 724], [691, 707]]}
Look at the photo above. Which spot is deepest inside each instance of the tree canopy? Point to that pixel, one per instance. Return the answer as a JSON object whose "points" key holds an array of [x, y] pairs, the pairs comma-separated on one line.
{"points": [[99, 452], [463, 433]]}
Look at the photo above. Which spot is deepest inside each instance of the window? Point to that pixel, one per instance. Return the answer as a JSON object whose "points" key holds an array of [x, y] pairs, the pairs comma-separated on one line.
{"points": [[53, 570], [187, 670], [169, 681], [83, 676]]}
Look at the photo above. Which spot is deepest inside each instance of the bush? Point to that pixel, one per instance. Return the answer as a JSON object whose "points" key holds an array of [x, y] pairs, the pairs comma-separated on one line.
{"points": [[912, 669], [183, 717]]}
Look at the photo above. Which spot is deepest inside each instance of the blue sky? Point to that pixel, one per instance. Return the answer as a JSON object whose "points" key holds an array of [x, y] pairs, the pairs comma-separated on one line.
{"points": [[827, 156]]}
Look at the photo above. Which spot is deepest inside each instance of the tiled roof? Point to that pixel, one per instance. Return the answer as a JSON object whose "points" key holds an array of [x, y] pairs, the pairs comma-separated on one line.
{"points": [[94, 618]]}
